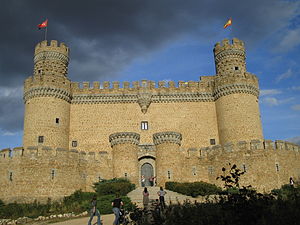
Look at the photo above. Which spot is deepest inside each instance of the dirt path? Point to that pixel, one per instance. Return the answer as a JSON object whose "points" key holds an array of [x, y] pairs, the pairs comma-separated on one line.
{"points": [[106, 220]]}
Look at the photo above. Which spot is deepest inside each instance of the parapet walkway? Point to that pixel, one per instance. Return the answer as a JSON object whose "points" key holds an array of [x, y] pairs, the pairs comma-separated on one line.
{"points": [[136, 196]]}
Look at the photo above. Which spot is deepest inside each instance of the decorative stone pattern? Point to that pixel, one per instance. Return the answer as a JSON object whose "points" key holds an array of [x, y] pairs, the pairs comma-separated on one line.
{"points": [[167, 137], [47, 92], [235, 88], [124, 137]]}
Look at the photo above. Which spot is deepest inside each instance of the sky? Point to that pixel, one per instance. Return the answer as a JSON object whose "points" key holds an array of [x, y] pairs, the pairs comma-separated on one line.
{"points": [[129, 40]]}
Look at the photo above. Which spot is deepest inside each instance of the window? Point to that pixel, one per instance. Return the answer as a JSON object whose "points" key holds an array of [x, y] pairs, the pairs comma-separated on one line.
{"points": [[39, 71], [244, 168], [57, 120], [125, 175], [169, 174], [277, 167], [236, 68], [212, 141], [52, 174], [10, 176], [144, 125], [210, 170], [41, 139], [194, 171], [74, 143]]}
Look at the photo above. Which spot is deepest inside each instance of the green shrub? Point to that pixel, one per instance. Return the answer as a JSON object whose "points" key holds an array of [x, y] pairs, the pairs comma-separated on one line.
{"points": [[113, 186], [193, 189]]}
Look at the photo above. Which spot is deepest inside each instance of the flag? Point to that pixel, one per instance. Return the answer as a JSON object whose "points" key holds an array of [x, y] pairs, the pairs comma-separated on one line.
{"points": [[229, 22], [43, 24]]}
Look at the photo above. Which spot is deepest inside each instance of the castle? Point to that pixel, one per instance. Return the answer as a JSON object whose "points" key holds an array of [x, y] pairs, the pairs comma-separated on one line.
{"points": [[77, 134]]}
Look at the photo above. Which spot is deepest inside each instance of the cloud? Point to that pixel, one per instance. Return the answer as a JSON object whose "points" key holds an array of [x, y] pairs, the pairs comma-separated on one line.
{"points": [[284, 75], [106, 36], [295, 88], [271, 101], [296, 107], [290, 40], [295, 140], [269, 92]]}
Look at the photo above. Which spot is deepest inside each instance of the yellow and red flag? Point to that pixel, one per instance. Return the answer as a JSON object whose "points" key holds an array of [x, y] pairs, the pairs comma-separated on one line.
{"points": [[229, 22], [43, 24]]}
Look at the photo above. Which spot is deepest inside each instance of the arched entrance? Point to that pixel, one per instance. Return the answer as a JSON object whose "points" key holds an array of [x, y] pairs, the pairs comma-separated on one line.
{"points": [[147, 172]]}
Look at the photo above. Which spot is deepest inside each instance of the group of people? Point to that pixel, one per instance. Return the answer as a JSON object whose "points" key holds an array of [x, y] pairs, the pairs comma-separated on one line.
{"points": [[117, 204], [152, 181]]}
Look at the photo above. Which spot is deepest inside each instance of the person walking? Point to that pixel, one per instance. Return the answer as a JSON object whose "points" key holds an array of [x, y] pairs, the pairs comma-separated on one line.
{"points": [[292, 182], [94, 212], [161, 193], [143, 181], [145, 198], [116, 204]]}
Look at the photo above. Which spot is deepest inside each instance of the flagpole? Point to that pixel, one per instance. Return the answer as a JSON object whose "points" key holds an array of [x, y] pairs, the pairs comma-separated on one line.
{"points": [[46, 32]]}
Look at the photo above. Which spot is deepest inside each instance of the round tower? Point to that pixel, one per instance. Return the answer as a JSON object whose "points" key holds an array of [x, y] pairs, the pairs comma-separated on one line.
{"points": [[168, 159], [125, 155], [47, 97], [236, 94]]}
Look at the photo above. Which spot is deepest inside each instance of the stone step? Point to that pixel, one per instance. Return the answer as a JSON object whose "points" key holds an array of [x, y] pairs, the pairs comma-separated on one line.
{"points": [[136, 196]]}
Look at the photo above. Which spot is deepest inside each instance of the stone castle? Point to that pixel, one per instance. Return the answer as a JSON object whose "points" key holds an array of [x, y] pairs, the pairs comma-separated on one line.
{"points": [[77, 134]]}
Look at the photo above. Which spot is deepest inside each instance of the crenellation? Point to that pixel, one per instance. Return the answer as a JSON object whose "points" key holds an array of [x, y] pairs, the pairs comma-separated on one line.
{"points": [[116, 84], [86, 85], [228, 147], [126, 85], [106, 85], [96, 85], [243, 146], [135, 84], [161, 84], [279, 144], [255, 144], [171, 84]]}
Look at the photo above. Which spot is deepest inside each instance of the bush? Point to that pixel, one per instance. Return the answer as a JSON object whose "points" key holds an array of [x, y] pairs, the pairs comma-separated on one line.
{"points": [[113, 186], [193, 189]]}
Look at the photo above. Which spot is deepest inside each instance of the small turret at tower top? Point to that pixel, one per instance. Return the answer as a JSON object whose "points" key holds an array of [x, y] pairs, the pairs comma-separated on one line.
{"points": [[230, 58], [52, 59]]}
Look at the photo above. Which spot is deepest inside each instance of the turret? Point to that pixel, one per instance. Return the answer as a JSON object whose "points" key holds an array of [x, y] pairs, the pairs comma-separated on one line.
{"points": [[47, 97], [230, 58], [125, 155], [168, 159], [236, 94]]}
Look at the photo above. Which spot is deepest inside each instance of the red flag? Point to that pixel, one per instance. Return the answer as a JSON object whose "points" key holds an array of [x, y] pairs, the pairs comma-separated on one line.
{"points": [[229, 22], [43, 24]]}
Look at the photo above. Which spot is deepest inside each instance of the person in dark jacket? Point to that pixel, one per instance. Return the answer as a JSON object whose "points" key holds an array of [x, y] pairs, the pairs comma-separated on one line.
{"points": [[94, 212], [116, 204]]}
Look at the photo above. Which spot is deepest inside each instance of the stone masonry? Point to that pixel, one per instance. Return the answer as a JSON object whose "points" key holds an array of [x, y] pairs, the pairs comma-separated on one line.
{"points": [[76, 134]]}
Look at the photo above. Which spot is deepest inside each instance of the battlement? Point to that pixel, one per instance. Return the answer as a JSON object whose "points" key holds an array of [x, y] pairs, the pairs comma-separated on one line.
{"points": [[242, 146], [53, 46], [116, 86], [226, 44], [167, 137], [46, 153]]}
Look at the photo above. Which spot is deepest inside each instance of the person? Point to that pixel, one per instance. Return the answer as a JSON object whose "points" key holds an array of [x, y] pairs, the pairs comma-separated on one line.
{"points": [[291, 182], [154, 181], [94, 211], [151, 181], [143, 180], [145, 198], [116, 204], [161, 193]]}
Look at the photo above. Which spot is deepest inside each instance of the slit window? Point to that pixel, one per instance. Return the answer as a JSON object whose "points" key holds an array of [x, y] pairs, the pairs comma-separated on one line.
{"points": [[52, 174], [41, 139], [194, 171], [169, 174], [277, 167], [126, 175], [244, 168], [144, 125], [74, 143], [57, 120], [10, 176]]}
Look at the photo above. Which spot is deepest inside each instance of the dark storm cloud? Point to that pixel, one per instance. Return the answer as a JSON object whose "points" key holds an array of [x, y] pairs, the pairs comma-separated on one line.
{"points": [[106, 35]]}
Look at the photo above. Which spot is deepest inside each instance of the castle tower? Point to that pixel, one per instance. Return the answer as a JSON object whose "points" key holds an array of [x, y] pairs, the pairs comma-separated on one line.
{"points": [[236, 94], [47, 97], [125, 155], [168, 160]]}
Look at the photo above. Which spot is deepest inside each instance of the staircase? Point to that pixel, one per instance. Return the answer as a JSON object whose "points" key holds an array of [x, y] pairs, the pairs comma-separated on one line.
{"points": [[136, 196]]}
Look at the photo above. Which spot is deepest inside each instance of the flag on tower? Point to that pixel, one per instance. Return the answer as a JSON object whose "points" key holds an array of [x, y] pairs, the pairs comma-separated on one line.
{"points": [[229, 22], [43, 24]]}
